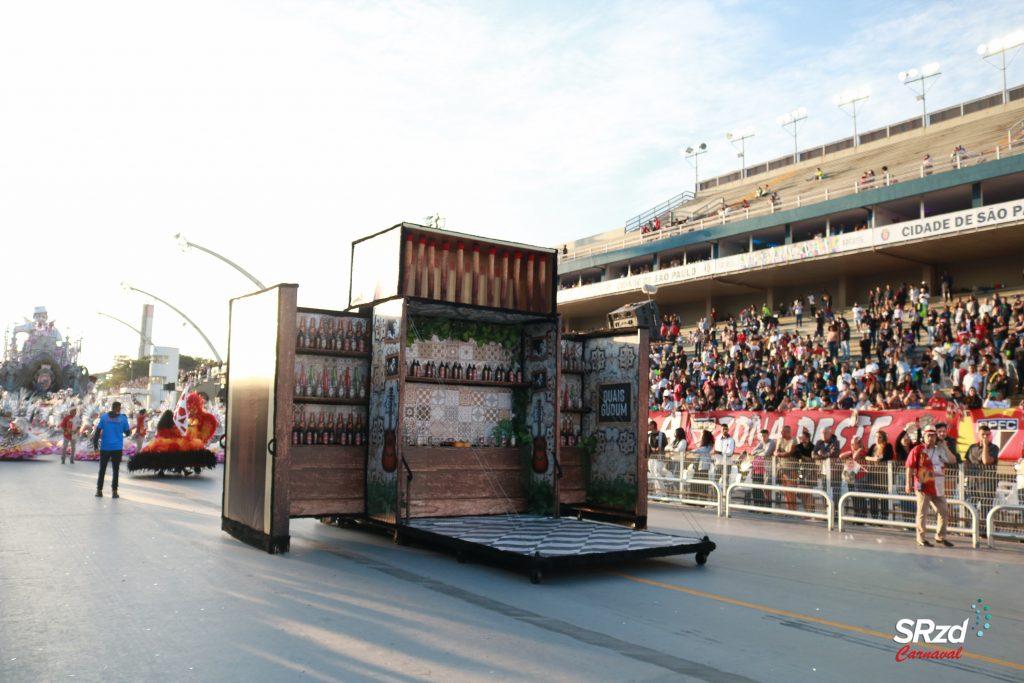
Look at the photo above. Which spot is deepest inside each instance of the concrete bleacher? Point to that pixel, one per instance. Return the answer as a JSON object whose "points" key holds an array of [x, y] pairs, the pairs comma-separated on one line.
{"points": [[980, 133]]}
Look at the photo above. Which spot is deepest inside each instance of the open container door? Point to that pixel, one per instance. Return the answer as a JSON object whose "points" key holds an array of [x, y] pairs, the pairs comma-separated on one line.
{"points": [[255, 502], [615, 390]]}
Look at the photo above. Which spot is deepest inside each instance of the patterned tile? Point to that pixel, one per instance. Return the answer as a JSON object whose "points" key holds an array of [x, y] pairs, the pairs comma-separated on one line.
{"points": [[438, 397], [491, 399], [466, 413], [504, 401], [423, 413], [451, 414]]}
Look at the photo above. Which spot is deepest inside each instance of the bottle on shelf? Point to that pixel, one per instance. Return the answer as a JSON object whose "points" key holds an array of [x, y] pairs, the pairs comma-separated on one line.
{"points": [[359, 431], [327, 433], [300, 331], [298, 427]]}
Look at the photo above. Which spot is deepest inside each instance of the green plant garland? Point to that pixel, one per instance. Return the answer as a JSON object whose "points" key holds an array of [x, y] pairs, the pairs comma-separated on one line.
{"points": [[509, 337]]}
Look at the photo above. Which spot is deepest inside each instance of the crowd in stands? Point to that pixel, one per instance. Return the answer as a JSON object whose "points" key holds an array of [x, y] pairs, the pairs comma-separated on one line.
{"points": [[899, 350]]}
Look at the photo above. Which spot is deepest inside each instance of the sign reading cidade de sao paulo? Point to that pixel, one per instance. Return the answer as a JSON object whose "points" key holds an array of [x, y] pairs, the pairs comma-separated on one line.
{"points": [[948, 223]]}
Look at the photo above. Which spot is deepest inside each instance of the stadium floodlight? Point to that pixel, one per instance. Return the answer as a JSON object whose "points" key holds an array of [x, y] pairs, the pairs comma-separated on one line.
{"points": [[741, 136], [851, 98], [1011, 42], [793, 119], [693, 157], [916, 79]]}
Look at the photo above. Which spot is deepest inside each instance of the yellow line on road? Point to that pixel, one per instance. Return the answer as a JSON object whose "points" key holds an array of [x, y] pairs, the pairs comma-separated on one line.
{"points": [[808, 618]]}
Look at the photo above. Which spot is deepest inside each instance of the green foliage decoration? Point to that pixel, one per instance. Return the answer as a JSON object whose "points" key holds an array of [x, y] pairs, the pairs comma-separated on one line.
{"points": [[509, 337]]}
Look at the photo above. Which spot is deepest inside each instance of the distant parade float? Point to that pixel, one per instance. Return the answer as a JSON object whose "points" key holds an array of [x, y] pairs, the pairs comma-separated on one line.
{"points": [[45, 363]]}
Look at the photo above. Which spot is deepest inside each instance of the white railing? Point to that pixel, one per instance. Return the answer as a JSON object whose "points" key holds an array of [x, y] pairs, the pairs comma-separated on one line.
{"points": [[826, 516], [765, 207], [682, 488], [843, 518], [990, 532]]}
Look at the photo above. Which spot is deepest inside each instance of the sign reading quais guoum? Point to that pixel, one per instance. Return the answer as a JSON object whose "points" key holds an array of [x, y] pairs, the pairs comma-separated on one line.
{"points": [[614, 404]]}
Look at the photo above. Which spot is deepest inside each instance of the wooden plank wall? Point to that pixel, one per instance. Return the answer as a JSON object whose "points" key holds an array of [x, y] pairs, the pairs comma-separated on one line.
{"points": [[451, 482], [327, 480], [571, 487]]}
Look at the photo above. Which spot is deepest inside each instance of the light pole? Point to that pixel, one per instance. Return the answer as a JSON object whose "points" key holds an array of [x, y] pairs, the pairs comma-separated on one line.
{"points": [[1000, 46], [128, 288], [918, 78], [851, 98], [793, 118], [141, 334], [185, 245], [741, 136], [692, 156]]}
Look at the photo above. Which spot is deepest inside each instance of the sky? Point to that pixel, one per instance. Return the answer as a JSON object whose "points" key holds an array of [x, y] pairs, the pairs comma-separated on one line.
{"points": [[275, 133]]}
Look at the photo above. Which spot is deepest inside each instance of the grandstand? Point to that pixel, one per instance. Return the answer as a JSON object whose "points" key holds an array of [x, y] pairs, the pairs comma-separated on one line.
{"points": [[733, 247]]}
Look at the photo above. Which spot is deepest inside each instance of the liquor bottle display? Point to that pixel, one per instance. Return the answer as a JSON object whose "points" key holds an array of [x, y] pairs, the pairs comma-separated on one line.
{"points": [[331, 379], [331, 333], [328, 426]]}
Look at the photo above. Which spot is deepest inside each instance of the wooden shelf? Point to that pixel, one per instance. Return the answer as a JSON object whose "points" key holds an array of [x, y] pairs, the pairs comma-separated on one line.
{"points": [[575, 411], [465, 382], [331, 353], [319, 400]]}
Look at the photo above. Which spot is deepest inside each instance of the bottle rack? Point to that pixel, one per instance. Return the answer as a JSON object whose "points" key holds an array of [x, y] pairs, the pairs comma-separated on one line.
{"points": [[328, 426], [332, 380], [324, 334]]}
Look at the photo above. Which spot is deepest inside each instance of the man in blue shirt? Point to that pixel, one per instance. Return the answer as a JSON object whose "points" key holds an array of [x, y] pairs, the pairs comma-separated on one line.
{"points": [[110, 433]]}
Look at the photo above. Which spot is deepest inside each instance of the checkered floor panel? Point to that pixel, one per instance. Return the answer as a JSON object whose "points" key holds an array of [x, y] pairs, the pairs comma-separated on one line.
{"points": [[547, 536]]}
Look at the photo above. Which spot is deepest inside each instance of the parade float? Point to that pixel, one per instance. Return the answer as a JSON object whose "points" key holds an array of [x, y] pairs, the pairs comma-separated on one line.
{"points": [[181, 442], [443, 406], [45, 362]]}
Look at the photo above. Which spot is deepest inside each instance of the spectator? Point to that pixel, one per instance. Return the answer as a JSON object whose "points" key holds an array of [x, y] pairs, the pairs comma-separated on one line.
{"points": [[924, 466], [855, 474]]}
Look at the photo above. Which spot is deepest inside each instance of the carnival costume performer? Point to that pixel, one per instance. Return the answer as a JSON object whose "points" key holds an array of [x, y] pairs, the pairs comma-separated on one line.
{"points": [[180, 443]]}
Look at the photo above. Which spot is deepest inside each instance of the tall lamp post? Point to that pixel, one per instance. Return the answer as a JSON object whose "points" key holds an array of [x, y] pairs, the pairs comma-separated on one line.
{"points": [[693, 157], [128, 288], [1000, 46], [790, 122], [851, 98], [139, 332], [186, 245], [917, 79], [741, 136]]}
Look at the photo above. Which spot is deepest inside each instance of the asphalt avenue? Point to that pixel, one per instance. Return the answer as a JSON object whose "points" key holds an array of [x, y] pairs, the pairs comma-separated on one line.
{"points": [[147, 587]]}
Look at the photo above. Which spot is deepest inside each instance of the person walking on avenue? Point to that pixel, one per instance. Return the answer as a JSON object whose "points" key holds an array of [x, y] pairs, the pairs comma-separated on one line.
{"points": [[980, 466], [924, 467], [109, 437], [140, 429], [67, 427]]}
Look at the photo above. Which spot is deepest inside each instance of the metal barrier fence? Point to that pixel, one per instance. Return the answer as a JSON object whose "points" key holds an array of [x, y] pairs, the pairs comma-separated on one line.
{"points": [[678, 481], [976, 494], [972, 530], [806, 494], [1018, 523]]}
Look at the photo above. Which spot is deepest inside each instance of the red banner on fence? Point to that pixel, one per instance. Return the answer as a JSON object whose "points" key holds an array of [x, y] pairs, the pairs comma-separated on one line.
{"points": [[744, 425]]}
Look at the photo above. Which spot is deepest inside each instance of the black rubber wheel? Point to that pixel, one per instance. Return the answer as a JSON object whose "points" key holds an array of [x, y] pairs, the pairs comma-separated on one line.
{"points": [[702, 559], [536, 576]]}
